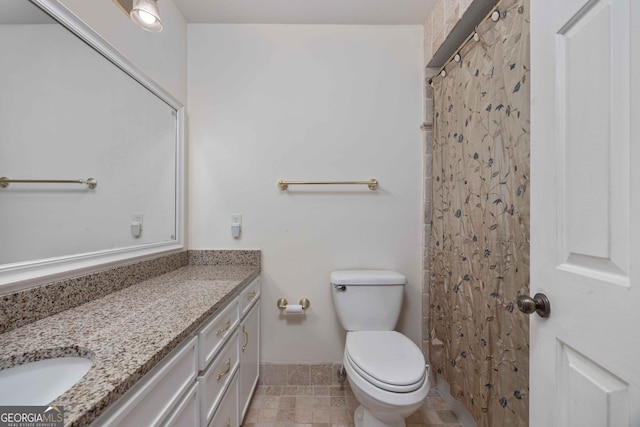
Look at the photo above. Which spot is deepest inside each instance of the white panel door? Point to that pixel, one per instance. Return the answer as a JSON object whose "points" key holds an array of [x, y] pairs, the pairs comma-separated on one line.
{"points": [[585, 212]]}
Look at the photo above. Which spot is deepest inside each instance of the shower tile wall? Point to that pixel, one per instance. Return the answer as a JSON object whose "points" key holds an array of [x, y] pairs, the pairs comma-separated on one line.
{"points": [[427, 128], [443, 17]]}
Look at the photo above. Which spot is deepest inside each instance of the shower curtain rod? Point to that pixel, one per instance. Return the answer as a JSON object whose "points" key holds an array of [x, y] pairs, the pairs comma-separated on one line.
{"points": [[469, 37]]}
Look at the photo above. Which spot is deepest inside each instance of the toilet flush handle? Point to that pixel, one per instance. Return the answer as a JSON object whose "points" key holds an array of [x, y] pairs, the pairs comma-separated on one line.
{"points": [[340, 288]]}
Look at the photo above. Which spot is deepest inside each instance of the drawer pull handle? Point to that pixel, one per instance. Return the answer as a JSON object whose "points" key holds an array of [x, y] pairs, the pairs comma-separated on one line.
{"points": [[225, 329], [226, 371], [251, 295], [228, 422], [246, 338]]}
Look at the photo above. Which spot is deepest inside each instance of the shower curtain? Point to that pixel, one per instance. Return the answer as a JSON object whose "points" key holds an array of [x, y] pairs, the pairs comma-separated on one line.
{"points": [[479, 245]]}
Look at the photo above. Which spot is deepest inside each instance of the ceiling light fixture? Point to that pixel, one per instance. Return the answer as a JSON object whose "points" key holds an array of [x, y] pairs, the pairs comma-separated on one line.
{"points": [[146, 15]]}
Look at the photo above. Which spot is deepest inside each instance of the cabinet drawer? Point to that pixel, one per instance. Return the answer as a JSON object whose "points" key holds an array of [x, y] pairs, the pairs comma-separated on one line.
{"points": [[187, 412], [249, 295], [213, 335], [151, 399], [215, 379], [227, 413]]}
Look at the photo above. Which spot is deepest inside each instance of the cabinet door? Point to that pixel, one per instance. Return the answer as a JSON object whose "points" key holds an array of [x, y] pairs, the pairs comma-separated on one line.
{"points": [[249, 357]]}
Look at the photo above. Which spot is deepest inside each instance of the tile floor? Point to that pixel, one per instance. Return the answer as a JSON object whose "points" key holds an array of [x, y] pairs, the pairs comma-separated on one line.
{"points": [[329, 406]]}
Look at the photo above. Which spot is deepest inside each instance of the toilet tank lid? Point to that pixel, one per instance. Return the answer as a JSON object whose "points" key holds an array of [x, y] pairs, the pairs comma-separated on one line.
{"points": [[367, 277]]}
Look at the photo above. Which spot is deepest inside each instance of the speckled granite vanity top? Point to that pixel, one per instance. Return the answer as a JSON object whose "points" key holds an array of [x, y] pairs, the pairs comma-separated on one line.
{"points": [[125, 333]]}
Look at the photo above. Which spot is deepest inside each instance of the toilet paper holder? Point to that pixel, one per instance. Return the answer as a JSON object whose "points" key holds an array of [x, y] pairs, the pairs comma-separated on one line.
{"points": [[282, 303]]}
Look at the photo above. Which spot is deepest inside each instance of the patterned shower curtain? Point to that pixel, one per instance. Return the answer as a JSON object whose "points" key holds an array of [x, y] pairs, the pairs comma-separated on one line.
{"points": [[479, 246]]}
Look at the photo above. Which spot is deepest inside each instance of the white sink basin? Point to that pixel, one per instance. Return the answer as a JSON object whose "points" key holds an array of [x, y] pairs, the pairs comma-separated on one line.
{"points": [[39, 383]]}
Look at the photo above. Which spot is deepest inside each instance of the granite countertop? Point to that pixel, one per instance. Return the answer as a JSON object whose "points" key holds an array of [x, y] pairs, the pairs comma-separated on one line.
{"points": [[125, 333]]}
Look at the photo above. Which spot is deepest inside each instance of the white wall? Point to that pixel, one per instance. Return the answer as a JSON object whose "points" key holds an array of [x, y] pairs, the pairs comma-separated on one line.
{"points": [[308, 103], [162, 56]]}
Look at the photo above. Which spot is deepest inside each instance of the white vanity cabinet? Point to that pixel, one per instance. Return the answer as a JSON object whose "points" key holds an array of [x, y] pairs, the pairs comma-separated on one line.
{"points": [[153, 399], [249, 357], [215, 379], [187, 412], [206, 381], [249, 296], [226, 385], [213, 335], [227, 413]]}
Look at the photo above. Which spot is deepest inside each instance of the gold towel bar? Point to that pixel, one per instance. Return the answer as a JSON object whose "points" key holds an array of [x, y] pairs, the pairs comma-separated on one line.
{"points": [[89, 182], [372, 183]]}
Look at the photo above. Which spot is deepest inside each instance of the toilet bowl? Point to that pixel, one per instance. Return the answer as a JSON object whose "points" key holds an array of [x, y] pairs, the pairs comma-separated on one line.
{"points": [[387, 374], [386, 370]]}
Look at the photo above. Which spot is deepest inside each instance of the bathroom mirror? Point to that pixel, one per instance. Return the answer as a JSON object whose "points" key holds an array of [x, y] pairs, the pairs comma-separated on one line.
{"points": [[73, 108]]}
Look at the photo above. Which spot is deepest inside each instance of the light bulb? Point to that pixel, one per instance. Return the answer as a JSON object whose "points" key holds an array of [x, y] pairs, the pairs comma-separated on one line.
{"points": [[146, 17], [145, 14]]}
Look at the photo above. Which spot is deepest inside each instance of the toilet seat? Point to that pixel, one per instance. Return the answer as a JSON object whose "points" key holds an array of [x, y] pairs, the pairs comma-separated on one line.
{"points": [[386, 359]]}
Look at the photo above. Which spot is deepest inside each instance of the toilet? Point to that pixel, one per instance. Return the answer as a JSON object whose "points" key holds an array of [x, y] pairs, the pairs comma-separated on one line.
{"points": [[386, 370]]}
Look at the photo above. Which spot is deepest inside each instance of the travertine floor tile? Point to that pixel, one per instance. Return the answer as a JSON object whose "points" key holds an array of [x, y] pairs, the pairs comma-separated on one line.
{"points": [[329, 406]]}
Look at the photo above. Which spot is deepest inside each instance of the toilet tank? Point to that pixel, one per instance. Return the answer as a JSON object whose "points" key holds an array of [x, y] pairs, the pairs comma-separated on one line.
{"points": [[367, 300]]}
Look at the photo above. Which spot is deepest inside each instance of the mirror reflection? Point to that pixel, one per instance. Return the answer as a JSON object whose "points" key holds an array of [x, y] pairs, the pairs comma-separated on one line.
{"points": [[68, 113]]}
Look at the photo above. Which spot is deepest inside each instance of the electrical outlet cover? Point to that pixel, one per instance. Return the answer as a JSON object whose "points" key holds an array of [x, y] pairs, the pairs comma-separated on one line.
{"points": [[137, 217]]}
